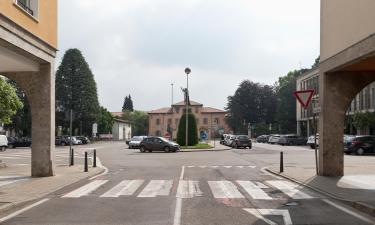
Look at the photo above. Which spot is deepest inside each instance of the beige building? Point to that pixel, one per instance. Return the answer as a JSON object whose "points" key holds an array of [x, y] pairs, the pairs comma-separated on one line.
{"points": [[347, 65], [28, 45], [121, 130], [210, 121]]}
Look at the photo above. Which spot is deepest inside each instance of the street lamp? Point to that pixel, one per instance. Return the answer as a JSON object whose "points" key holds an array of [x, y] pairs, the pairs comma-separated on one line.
{"points": [[187, 71]]}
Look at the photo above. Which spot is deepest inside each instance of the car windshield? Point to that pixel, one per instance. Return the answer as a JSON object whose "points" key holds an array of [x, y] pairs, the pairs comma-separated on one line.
{"points": [[136, 139]]}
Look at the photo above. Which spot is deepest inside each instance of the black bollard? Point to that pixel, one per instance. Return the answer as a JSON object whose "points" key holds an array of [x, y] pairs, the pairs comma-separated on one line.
{"points": [[281, 162], [86, 163], [94, 163], [72, 157]]}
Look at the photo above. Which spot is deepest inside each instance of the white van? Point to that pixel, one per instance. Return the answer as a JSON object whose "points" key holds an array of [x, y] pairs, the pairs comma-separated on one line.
{"points": [[3, 142]]}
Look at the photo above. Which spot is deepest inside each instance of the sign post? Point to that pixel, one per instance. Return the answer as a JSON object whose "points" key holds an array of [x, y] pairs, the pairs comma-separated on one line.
{"points": [[304, 98]]}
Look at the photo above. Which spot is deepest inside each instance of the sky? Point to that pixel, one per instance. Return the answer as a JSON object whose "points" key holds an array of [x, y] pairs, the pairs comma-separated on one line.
{"points": [[141, 47]]}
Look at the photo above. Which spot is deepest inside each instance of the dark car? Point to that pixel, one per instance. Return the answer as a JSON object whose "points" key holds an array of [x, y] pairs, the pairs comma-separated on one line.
{"points": [[292, 139], [241, 141], [158, 144], [83, 139], [62, 140], [14, 142], [360, 145], [263, 138]]}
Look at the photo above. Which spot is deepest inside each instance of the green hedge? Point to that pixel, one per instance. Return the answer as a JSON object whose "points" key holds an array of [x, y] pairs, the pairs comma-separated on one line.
{"points": [[192, 129]]}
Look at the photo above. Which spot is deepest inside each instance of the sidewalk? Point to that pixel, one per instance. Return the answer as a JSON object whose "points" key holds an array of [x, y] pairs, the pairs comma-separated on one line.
{"points": [[17, 188], [356, 188]]}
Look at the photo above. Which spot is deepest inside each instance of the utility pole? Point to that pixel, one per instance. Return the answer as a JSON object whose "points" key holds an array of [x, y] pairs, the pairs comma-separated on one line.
{"points": [[187, 71], [172, 93], [70, 141]]}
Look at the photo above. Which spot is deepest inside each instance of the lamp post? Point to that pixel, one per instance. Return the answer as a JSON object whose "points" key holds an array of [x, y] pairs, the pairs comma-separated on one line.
{"points": [[187, 71]]}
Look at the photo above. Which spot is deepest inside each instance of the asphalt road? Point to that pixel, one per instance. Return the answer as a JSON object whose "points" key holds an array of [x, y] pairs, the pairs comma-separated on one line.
{"points": [[219, 187]]}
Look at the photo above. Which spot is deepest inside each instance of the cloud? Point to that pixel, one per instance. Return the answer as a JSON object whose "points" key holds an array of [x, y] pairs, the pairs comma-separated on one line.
{"points": [[142, 46]]}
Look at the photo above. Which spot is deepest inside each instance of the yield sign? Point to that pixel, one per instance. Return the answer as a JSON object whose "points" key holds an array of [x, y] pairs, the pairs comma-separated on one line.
{"points": [[304, 97]]}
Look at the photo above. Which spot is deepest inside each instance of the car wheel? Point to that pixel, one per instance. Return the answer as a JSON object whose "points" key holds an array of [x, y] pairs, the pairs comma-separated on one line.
{"points": [[236, 146], [2, 149], [166, 149], [360, 151], [142, 149], [312, 146]]}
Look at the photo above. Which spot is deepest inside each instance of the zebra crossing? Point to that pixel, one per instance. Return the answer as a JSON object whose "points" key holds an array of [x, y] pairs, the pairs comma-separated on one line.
{"points": [[221, 166], [222, 189]]}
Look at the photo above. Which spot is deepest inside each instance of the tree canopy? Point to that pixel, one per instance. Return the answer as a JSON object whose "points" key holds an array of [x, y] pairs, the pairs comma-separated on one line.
{"points": [[105, 121], [76, 90], [9, 102], [128, 104], [251, 103]]}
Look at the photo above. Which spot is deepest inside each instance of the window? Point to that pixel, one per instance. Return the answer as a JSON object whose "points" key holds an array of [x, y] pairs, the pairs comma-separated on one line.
{"points": [[176, 121], [177, 109], [197, 120], [158, 121], [205, 121], [169, 121], [29, 6], [196, 110], [158, 133], [216, 120]]}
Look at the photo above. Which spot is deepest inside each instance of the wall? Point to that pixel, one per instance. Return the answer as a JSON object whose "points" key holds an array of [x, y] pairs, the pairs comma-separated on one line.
{"points": [[45, 27], [344, 23]]}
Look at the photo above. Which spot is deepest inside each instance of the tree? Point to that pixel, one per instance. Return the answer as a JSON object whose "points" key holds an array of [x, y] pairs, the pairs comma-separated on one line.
{"points": [[21, 121], [139, 120], [251, 103], [9, 102], [286, 102], [105, 121], [363, 120], [128, 104], [76, 90], [192, 130]]}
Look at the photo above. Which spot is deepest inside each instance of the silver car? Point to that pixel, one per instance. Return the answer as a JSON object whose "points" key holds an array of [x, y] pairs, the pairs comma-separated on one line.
{"points": [[135, 141]]}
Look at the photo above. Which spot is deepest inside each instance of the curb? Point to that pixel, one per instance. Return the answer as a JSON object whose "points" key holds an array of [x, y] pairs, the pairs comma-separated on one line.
{"points": [[4, 209], [205, 150], [361, 206]]}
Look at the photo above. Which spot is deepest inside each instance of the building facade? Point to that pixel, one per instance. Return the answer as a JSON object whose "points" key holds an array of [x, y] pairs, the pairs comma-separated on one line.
{"points": [[364, 101], [210, 121], [121, 130], [28, 45]]}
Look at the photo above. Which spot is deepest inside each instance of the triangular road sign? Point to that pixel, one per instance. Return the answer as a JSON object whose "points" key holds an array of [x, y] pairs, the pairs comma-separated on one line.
{"points": [[304, 97]]}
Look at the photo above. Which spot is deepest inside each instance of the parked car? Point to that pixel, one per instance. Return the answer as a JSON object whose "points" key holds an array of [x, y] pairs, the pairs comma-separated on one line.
{"points": [[158, 144], [229, 139], [75, 141], [135, 141], [3, 142], [62, 140], [83, 139], [292, 139], [311, 141], [241, 141], [14, 142], [263, 138], [274, 139], [360, 145]]}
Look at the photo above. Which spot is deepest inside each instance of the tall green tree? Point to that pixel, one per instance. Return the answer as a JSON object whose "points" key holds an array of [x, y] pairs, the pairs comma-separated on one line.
{"points": [[363, 120], [128, 104], [252, 103], [286, 102], [192, 130], [21, 121], [9, 102], [76, 90], [105, 121]]}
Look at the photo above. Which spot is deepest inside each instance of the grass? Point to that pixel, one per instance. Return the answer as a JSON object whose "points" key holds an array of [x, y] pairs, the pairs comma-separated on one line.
{"points": [[198, 146]]}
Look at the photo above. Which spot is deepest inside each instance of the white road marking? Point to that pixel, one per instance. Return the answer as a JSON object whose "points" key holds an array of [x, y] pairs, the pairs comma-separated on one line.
{"points": [[188, 189], [156, 188], [265, 172], [125, 187], [86, 189], [190, 166], [100, 165], [10, 216], [4, 180], [254, 190], [178, 208], [224, 189], [240, 167], [261, 185], [202, 166], [260, 213], [349, 211], [289, 188], [227, 166], [251, 167], [214, 166]]}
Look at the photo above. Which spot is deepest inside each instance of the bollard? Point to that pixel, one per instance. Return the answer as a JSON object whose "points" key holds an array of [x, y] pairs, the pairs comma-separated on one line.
{"points": [[281, 162], [86, 163], [94, 160], [72, 157]]}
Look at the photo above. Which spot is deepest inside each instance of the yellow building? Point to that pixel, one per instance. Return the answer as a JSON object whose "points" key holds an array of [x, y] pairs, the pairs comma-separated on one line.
{"points": [[28, 45]]}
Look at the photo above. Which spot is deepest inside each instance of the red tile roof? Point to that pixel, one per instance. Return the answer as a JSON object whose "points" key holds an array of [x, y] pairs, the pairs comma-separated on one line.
{"points": [[182, 103], [117, 114], [161, 110], [212, 110]]}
